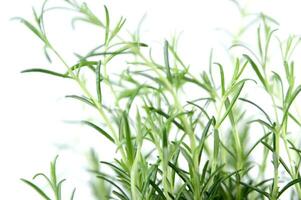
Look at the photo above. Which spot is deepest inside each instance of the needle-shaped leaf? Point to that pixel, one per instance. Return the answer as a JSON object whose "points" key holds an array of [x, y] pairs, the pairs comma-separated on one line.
{"points": [[46, 178], [204, 172], [31, 27], [217, 182], [265, 124], [257, 71], [58, 192], [53, 176], [81, 98], [36, 188], [107, 26], [98, 82], [258, 142], [182, 175], [114, 184], [117, 169], [119, 195], [81, 64], [47, 54], [165, 139], [231, 104], [289, 103], [35, 14], [166, 60], [294, 119], [198, 83], [213, 174], [45, 71], [201, 108], [222, 77], [158, 190], [280, 159], [100, 130], [278, 79], [164, 114], [126, 133], [118, 27], [205, 132], [88, 15], [134, 93], [259, 41], [256, 189], [257, 106], [288, 185], [73, 194]]}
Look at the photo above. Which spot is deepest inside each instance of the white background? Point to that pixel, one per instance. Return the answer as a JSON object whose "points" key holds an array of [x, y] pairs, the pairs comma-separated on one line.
{"points": [[33, 108]]}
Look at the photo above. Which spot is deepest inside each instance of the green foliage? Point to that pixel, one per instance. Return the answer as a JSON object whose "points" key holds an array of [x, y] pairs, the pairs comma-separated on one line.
{"points": [[198, 148], [52, 181]]}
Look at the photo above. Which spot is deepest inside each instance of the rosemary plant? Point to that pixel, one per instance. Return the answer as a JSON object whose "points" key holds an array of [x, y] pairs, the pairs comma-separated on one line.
{"points": [[173, 147]]}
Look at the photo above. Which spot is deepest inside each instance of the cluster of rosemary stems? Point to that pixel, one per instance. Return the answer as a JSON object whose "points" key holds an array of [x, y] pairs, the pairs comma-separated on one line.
{"points": [[172, 147]]}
